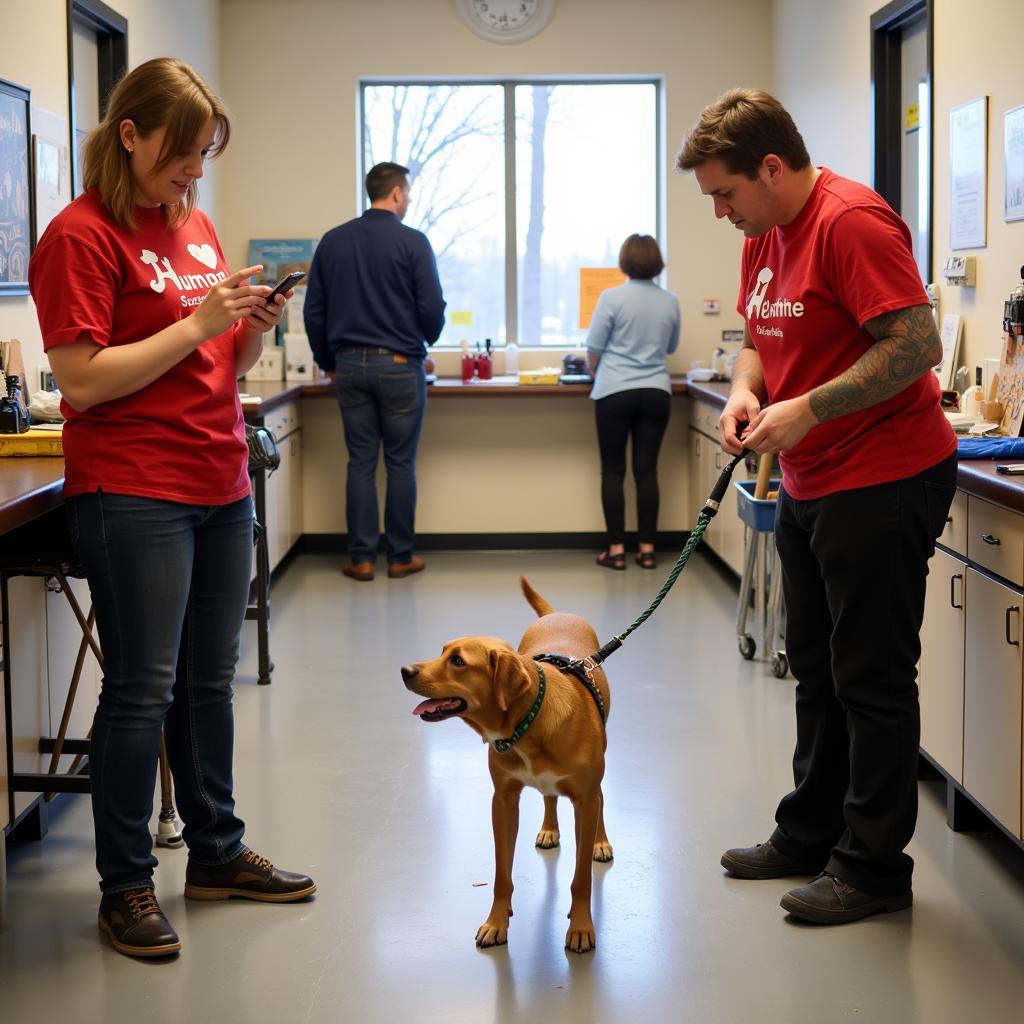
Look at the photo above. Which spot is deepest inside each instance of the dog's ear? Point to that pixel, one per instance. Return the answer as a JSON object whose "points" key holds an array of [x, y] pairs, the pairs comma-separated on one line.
{"points": [[511, 679]]}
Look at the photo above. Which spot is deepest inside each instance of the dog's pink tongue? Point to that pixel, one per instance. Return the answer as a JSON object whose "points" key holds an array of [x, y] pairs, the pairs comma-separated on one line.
{"points": [[429, 705]]}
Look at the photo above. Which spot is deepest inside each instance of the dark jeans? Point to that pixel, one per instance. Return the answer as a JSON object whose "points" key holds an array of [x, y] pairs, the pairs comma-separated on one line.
{"points": [[642, 413], [853, 573], [382, 403], [170, 585]]}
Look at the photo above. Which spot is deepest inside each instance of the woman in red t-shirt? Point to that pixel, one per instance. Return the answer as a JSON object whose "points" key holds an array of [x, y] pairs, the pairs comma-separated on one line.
{"points": [[147, 332]]}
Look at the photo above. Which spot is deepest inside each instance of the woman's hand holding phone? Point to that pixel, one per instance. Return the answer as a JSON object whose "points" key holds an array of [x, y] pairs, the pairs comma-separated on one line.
{"points": [[228, 302], [263, 318]]}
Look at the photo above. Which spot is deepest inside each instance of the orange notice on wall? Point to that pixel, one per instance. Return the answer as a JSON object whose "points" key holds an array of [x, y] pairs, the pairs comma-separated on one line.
{"points": [[593, 281]]}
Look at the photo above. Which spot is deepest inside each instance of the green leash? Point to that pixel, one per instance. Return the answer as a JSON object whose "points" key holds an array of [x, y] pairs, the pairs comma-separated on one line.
{"points": [[707, 513]]}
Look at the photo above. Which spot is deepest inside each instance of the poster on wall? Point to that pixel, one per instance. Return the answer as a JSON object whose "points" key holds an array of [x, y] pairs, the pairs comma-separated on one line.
{"points": [[15, 188], [968, 169], [1013, 152]]}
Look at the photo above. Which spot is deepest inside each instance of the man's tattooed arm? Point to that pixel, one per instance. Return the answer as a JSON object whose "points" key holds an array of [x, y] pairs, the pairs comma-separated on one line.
{"points": [[907, 345]]}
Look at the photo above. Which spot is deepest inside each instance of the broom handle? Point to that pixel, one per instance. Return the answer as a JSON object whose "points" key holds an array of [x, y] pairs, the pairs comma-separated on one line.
{"points": [[764, 475]]}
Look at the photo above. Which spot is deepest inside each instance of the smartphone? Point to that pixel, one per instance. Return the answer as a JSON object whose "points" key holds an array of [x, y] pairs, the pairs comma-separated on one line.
{"points": [[1013, 469], [285, 284]]}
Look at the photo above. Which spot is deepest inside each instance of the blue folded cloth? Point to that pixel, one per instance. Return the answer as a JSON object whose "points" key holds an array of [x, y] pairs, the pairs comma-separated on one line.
{"points": [[990, 447]]}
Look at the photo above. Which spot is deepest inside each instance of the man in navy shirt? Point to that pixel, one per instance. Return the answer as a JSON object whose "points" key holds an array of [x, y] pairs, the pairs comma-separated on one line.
{"points": [[373, 304]]}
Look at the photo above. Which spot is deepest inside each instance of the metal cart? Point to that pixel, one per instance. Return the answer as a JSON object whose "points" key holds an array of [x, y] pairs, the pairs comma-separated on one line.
{"points": [[761, 585]]}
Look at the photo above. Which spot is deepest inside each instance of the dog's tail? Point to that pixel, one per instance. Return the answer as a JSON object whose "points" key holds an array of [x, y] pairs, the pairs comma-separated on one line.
{"points": [[539, 605]]}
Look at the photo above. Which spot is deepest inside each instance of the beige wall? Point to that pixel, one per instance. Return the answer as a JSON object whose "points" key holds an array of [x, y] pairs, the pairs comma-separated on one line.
{"points": [[35, 56], [826, 88], [293, 159], [292, 168]]}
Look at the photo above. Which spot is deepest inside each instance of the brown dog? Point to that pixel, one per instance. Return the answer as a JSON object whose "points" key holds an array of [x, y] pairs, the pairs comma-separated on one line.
{"points": [[496, 691]]}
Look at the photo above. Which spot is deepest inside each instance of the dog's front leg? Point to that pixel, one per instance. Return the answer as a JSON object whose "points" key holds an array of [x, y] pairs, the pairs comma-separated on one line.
{"points": [[547, 837], [505, 822], [581, 937]]}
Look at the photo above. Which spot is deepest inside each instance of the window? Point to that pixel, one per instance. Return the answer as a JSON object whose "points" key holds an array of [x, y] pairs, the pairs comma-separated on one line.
{"points": [[518, 185]]}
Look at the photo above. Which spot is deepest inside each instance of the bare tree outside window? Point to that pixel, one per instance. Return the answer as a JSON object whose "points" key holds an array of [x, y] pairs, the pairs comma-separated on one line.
{"points": [[585, 158]]}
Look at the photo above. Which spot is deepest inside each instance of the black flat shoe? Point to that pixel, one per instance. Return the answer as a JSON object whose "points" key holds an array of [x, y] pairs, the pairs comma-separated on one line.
{"points": [[610, 561], [646, 560]]}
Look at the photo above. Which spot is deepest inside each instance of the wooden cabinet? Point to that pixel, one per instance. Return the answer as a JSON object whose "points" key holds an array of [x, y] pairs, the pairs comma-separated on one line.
{"points": [[942, 664], [725, 534], [972, 672], [282, 506], [992, 698]]}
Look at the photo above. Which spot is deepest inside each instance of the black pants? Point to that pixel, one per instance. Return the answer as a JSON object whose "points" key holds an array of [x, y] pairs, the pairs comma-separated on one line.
{"points": [[642, 413], [853, 573]]}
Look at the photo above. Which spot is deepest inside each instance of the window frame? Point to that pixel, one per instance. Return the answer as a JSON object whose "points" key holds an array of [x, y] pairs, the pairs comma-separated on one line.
{"points": [[509, 87]]}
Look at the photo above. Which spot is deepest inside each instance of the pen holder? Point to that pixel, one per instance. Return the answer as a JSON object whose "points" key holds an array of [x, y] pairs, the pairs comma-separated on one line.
{"points": [[468, 368], [483, 367]]}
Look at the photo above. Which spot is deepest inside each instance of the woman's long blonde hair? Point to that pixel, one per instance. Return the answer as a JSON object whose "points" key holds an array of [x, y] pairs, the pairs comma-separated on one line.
{"points": [[162, 93]]}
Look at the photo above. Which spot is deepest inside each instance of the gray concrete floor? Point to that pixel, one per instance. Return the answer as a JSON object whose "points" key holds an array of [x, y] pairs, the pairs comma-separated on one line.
{"points": [[334, 776]]}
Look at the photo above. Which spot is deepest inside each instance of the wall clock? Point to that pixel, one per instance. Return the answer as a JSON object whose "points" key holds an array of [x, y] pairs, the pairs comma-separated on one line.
{"points": [[505, 21]]}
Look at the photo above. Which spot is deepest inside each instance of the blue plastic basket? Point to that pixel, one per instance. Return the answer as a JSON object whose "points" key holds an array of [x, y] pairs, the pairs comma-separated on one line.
{"points": [[757, 513]]}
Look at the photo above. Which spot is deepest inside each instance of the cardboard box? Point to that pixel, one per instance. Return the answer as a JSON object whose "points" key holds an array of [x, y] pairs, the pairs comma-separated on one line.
{"points": [[269, 366]]}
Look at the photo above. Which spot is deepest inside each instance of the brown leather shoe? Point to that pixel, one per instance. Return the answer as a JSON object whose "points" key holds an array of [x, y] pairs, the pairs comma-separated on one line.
{"points": [[136, 924], [362, 571], [397, 570], [829, 900], [249, 876]]}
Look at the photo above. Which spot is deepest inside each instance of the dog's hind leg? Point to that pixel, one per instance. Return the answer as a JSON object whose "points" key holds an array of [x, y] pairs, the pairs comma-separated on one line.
{"points": [[505, 822], [547, 837], [581, 936], [602, 845]]}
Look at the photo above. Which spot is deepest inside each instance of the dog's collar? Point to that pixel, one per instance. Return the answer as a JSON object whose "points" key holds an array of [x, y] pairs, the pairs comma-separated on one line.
{"points": [[504, 746]]}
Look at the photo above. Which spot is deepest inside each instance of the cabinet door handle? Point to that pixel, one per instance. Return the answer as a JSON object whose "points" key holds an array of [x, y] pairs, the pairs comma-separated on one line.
{"points": [[696, 447], [718, 456], [952, 590], [1009, 640], [989, 539]]}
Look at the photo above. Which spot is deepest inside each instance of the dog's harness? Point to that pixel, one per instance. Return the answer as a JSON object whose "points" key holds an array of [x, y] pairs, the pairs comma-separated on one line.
{"points": [[582, 672], [504, 746]]}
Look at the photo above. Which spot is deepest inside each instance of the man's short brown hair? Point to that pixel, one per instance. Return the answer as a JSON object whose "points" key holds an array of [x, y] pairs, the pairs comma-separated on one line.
{"points": [[640, 257], [383, 178], [741, 128]]}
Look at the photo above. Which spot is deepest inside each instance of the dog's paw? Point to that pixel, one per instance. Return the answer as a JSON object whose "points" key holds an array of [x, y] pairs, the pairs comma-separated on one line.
{"points": [[491, 935], [580, 938], [546, 840], [602, 852]]}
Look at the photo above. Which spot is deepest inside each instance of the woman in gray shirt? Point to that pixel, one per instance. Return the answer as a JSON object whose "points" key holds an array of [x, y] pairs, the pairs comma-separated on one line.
{"points": [[634, 328]]}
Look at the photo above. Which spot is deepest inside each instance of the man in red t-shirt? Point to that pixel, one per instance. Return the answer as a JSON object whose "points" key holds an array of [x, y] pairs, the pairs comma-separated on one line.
{"points": [[836, 376]]}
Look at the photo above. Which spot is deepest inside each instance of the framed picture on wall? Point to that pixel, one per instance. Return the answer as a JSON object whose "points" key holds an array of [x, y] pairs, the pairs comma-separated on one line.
{"points": [[16, 220], [1013, 150]]}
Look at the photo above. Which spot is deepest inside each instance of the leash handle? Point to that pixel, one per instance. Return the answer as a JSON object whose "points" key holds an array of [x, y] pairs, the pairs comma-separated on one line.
{"points": [[714, 501]]}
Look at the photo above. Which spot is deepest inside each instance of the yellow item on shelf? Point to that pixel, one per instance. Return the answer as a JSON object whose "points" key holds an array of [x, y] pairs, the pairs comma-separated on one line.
{"points": [[33, 442], [544, 375]]}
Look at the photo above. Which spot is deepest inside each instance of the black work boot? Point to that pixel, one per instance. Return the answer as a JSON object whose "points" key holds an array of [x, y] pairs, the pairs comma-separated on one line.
{"points": [[249, 876], [765, 861], [136, 924]]}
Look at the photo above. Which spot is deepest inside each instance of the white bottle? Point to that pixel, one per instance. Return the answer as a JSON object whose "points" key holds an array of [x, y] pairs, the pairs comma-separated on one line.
{"points": [[512, 359]]}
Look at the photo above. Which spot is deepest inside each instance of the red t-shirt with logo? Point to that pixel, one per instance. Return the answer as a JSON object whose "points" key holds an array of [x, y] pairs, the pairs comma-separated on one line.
{"points": [[807, 288], [182, 437]]}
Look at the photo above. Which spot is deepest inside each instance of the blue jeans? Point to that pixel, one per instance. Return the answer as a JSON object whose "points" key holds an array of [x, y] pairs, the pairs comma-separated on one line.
{"points": [[170, 585], [382, 402]]}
